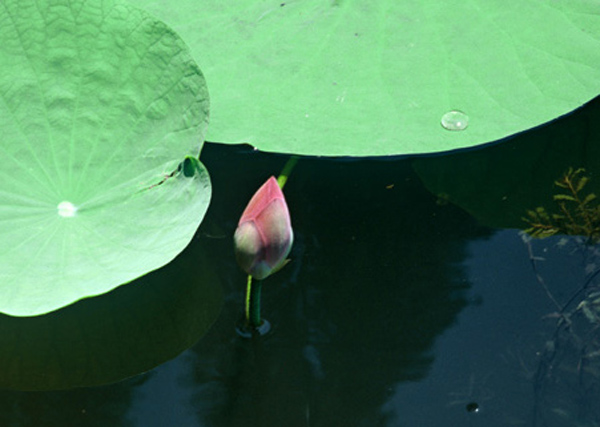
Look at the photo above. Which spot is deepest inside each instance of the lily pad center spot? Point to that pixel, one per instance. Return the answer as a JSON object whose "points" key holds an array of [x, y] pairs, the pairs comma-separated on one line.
{"points": [[66, 209]]}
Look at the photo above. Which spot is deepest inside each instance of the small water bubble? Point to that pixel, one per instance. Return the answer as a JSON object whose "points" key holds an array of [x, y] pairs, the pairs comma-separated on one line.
{"points": [[455, 120], [66, 209], [472, 407]]}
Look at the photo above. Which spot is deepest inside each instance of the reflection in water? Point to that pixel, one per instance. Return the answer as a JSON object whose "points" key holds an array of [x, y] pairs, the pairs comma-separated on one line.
{"points": [[91, 407], [113, 336], [108, 338], [473, 395], [567, 378], [470, 364], [168, 387]]}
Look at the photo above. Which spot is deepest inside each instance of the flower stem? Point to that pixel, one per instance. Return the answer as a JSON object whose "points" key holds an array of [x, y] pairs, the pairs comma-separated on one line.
{"points": [[287, 170], [253, 289]]}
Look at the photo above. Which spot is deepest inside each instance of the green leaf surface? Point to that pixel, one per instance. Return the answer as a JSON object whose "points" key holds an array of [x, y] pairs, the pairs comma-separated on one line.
{"points": [[99, 105], [367, 78]]}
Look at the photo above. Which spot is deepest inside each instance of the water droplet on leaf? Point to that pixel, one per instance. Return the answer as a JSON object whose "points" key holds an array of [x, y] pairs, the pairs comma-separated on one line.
{"points": [[455, 120]]}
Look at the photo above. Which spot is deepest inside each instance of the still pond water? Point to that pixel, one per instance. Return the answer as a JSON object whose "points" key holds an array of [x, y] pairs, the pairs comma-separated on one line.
{"points": [[413, 298]]}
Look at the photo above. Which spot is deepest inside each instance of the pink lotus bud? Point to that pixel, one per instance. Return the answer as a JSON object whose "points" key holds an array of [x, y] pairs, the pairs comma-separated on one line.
{"points": [[264, 235]]}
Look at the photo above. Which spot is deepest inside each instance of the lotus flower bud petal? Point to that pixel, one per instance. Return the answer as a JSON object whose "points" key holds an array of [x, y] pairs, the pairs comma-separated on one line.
{"points": [[264, 235]]}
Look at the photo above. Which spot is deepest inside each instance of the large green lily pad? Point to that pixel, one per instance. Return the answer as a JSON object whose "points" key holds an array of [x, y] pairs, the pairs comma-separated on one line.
{"points": [[364, 78], [102, 115]]}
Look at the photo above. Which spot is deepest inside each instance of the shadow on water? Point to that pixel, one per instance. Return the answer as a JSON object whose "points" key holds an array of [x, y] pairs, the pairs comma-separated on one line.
{"points": [[401, 305]]}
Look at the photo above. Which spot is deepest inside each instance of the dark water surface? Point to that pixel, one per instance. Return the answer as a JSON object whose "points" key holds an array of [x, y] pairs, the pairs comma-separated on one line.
{"points": [[412, 299]]}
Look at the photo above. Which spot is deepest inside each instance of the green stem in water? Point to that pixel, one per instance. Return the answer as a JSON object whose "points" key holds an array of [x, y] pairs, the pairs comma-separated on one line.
{"points": [[253, 289], [287, 170]]}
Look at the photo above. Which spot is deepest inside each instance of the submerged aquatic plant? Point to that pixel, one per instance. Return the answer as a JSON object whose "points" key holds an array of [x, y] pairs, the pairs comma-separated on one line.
{"points": [[567, 367], [574, 346], [578, 211]]}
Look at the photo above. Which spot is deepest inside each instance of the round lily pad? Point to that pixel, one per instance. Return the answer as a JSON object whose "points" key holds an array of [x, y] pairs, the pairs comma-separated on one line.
{"points": [[102, 113]]}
